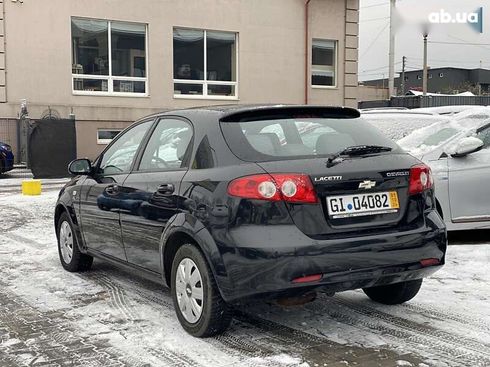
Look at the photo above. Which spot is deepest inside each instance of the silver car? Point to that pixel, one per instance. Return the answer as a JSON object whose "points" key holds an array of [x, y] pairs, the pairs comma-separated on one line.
{"points": [[457, 148]]}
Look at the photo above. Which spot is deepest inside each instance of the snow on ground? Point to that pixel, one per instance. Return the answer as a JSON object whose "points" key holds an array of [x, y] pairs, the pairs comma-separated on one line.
{"points": [[107, 317]]}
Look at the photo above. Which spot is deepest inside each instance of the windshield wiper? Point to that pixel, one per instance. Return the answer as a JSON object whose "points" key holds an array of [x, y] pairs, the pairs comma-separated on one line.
{"points": [[354, 150]]}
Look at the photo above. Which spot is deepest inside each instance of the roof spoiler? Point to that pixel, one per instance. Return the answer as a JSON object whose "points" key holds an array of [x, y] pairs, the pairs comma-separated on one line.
{"points": [[284, 112]]}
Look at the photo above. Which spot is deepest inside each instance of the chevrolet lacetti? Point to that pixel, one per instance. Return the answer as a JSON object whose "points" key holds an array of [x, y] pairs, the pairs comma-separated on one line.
{"points": [[226, 204]]}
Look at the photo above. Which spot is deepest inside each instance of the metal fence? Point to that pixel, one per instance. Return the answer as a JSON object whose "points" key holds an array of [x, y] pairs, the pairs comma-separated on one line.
{"points": [[427, 101]]}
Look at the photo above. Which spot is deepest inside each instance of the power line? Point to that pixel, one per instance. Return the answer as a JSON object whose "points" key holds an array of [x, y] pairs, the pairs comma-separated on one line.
{"points": [[374, 5], [441, 60], [459, 43], [372, 19], [374, 40], [379, 68], [465, 41]]}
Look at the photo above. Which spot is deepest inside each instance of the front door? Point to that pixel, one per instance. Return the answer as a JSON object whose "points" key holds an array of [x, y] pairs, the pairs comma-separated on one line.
{"points": [[469, 184], [100, 202], [153, 191]]}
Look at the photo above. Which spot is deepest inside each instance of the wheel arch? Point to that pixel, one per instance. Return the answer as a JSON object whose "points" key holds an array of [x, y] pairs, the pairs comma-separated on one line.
{"points": [[61, 208], [180, 232]]}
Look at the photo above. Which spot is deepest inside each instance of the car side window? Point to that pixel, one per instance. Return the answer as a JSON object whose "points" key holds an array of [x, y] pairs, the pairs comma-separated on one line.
{"points": [[167, 146], [120, 155]]}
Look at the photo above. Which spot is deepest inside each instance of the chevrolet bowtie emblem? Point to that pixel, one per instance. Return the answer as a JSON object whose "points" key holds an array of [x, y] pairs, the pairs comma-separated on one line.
{"points": [[367, 184]]}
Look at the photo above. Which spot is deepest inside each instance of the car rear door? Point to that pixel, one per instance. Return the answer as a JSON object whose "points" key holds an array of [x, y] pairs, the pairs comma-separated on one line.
{"points": [[469, 191], [153, 191], [101, 195]]}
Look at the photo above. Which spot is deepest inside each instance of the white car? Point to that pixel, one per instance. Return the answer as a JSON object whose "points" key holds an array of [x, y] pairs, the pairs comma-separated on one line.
{"points": [[457, 148]]}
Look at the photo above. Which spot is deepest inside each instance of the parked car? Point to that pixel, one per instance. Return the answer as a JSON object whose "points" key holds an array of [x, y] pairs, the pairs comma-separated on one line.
{"points": [[445, 110], [214, 205], [458, 151], [6, 158]]}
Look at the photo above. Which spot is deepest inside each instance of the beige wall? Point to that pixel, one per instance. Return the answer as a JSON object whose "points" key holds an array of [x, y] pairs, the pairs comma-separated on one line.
{"points": [[271, 53], [370, 93], [87, 146]]}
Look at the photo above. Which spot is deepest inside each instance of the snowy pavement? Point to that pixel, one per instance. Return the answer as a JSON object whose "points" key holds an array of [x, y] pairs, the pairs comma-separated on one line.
{"points": [[106, 317]]}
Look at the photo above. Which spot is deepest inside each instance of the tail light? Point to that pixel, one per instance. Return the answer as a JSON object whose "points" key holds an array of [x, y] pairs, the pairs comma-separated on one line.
{"points": [[307, 279], [290, 187], [420, 179], [429, 262]]}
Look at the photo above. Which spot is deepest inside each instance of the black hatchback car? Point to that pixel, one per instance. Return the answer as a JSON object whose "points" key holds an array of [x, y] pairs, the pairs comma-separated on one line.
{"points": [[223, 204]]}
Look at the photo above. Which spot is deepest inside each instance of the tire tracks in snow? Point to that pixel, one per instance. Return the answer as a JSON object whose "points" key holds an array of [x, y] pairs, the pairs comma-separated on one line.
{"points": [[226, 342], [431, 311], [249, 337], [14, 220], [460, 351], [119, 303]]}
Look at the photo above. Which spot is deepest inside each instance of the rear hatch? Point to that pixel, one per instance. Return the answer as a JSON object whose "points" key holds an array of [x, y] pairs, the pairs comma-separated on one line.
{"points": [[357, 194]]}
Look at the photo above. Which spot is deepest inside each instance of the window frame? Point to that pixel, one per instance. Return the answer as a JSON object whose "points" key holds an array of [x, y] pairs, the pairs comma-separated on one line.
{"points": [[186, 161], [110, 78], [336, 64], [107, 141], [98, 160], [206, 82]]}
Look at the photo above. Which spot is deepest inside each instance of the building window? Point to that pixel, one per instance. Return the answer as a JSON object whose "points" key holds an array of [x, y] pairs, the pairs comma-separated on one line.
{"points": [[105, 136], [205, 64], [419, 77], [109, 58], [406, 78], [323, 60], [441, 75], [430, 76]]}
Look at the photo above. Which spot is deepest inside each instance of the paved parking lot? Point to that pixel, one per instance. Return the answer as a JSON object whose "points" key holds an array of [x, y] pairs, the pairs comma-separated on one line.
{"points": [[106, 317]]}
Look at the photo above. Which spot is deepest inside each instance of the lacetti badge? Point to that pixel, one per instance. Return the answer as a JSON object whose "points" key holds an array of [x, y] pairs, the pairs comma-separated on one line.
{"points": [[367, 184], [328, 178]]}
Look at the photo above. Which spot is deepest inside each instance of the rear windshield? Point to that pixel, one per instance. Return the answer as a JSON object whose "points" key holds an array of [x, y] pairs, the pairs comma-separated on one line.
{"points": [[291, 138]]}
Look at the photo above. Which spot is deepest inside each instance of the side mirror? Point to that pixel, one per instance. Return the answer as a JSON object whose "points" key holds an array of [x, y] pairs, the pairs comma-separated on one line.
{"points": [[465, 146], [80, 167]]}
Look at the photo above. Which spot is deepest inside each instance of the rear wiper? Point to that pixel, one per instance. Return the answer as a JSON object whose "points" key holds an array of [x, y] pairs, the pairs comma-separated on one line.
{"points": [[354, 150]]}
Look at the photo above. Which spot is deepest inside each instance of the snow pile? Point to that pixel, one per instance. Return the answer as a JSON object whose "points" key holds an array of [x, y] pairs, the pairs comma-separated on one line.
{"points": [[398, 125]]}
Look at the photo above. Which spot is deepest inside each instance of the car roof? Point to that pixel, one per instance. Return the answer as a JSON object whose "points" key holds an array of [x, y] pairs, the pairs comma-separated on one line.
{"points": [[234, 112]]}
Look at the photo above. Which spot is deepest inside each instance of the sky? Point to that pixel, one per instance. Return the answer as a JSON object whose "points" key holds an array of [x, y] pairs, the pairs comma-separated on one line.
{"points": [[374, 36]]}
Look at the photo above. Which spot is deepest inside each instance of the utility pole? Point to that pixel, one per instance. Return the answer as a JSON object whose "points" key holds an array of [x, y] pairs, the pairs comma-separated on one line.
{"points": [[424, 74], [391, 70], [404, 60]]}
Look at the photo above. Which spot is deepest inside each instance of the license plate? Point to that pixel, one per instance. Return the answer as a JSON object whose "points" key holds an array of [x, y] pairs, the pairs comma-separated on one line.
{"points": [[357, 205]]}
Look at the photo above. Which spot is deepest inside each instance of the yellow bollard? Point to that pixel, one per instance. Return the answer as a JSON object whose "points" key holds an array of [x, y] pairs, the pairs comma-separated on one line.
{"points": [[31, 187]]}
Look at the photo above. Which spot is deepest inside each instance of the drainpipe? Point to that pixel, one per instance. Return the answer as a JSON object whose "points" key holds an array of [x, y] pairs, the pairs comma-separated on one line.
{"points": [[307, 2]]}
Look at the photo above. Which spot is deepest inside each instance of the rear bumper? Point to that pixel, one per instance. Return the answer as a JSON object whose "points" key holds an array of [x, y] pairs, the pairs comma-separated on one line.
{"points": [[350, 263]]}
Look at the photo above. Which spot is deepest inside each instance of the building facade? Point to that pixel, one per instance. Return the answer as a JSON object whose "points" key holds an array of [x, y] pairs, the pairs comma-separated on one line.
{"points": [[441, 80], [108, 63]]}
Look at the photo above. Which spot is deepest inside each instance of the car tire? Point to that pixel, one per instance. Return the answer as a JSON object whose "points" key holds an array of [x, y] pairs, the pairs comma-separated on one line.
{"points": [[70, 256], [394, 294], [201, 310], [2, 166]]}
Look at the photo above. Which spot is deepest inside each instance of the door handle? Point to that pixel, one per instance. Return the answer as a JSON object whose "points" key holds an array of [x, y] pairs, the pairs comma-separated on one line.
{"points": [[112, 189], [166, 189]]}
